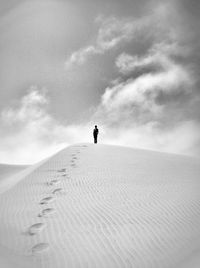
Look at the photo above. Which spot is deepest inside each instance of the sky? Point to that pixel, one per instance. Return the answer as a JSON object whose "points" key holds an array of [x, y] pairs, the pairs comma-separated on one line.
{"points": [[131, 67]]}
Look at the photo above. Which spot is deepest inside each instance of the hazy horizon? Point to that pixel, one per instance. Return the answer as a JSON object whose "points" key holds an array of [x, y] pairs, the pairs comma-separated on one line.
{"points": [[131, 67]]}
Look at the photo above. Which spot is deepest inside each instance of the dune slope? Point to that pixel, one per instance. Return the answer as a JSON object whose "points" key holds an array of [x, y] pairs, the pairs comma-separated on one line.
{"points": [[103, 206], [7, 171]]}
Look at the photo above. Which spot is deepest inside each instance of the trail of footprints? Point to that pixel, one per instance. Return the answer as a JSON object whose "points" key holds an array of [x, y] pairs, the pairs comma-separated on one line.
{"points": [[36, 228]]}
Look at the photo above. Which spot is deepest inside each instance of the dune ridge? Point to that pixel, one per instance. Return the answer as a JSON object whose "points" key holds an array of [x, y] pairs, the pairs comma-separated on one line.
{"points": [[103, 206]]}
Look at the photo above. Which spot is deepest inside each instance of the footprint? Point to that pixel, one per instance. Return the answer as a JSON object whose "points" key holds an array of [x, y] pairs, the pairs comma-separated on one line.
{"points": [[39, 248], [46, 212], [36, 228], [58, 190], [53, 182], [62, 170], [47, 200]]}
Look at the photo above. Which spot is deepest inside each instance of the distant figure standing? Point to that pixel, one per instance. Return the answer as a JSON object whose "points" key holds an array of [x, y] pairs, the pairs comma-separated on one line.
{"points": [[95, 134]]}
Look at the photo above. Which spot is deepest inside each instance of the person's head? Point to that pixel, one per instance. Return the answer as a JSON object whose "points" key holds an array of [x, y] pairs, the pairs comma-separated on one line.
{"points": [[95, 126]]}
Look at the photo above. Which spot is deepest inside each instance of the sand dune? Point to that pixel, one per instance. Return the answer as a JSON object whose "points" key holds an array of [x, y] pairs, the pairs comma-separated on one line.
{"points": [[7, 171], [102, 206]]}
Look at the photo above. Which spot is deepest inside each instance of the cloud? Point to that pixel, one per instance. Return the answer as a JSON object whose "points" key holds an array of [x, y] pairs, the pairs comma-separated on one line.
{"points": [[29, 133], [180, 139], [142, 92], [149, 80], [81, 55], [31, 108], [158, 57], [112, 32], [146, 110], [152, 102]]}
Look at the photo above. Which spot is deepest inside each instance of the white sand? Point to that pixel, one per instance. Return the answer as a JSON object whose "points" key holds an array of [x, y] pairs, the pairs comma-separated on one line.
{"points": [[7, 171], [102, 206]]}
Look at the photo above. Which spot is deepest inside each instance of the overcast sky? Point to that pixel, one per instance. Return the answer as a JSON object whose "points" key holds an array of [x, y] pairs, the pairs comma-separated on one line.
{"points": [[132, 67]]}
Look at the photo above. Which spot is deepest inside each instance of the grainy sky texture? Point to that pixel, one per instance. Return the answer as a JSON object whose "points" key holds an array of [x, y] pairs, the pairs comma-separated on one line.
{"points": [[131, 67]]}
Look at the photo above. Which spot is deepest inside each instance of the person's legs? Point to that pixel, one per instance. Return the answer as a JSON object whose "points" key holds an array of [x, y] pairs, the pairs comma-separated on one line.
{"points": [[95, 139]]}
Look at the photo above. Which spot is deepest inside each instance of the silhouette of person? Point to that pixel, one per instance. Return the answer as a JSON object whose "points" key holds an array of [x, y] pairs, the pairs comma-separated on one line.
{"points": [[95, 134]]}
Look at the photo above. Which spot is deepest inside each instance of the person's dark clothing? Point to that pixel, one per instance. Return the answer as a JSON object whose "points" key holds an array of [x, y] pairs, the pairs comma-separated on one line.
{"points": [[95, 134]]}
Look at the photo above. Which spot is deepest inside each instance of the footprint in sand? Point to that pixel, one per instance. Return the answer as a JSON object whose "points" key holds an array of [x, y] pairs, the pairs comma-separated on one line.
{"points": [[36, 228], [39, 248], [47, 212], [62, 170], [57, 191], [73, 165], [47, 200], [53, 182]]}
